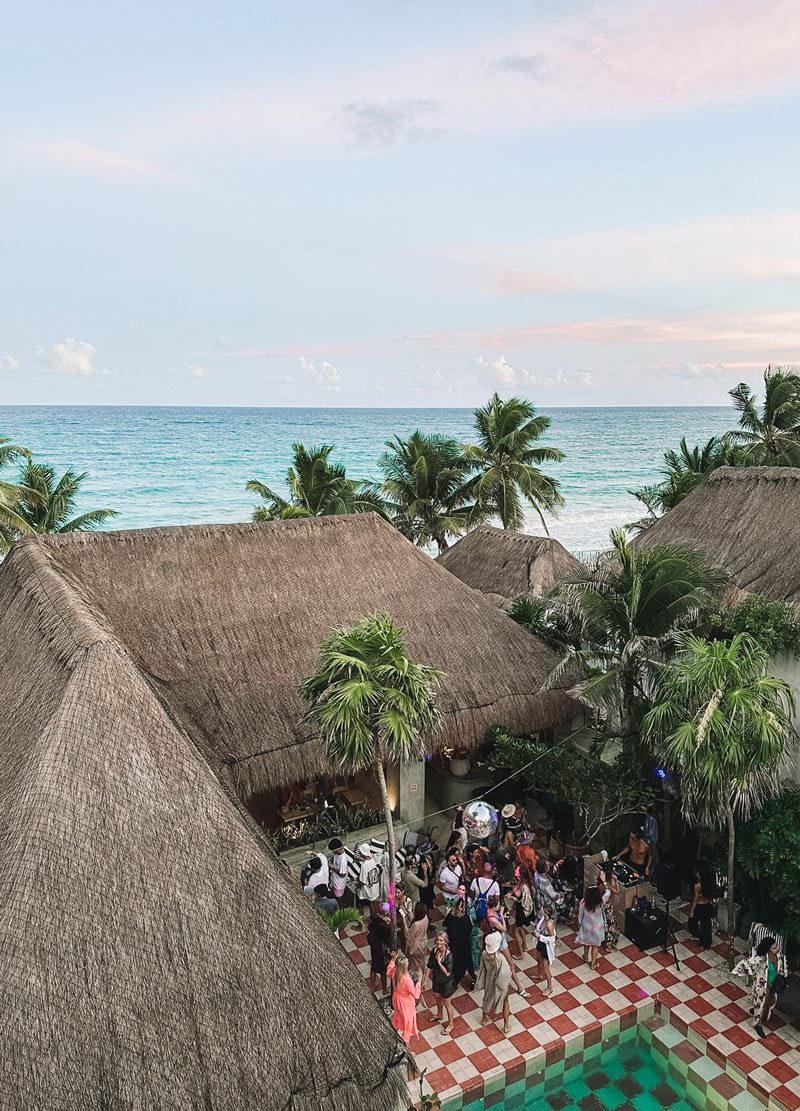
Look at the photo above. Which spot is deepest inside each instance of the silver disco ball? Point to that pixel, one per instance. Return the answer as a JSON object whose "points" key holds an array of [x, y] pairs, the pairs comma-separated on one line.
{"points": [[480, 820]]}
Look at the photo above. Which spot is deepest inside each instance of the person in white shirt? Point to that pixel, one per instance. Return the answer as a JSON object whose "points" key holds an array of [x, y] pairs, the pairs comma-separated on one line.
{"points": [[450, 877], [319, 873], [338, 868], [369, 879], [482, 888]]}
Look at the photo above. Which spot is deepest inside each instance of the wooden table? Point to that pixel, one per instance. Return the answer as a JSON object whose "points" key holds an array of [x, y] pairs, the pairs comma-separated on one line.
{"points": [[354, 796]]}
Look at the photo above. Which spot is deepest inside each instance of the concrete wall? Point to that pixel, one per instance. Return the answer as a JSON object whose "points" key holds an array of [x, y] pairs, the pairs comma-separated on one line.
{"points": [[406, 785], [788, 668]]}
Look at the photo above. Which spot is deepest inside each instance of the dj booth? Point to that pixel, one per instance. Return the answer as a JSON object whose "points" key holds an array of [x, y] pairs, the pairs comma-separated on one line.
{"points": [[631, 885]]}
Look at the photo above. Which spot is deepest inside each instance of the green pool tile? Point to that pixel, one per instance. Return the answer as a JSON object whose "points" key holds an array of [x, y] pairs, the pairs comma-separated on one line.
{"points": [[515, 1089], [494, 1082], [646, 1102], [611, 1097], [746, 1101], [705, 1068], [716, 1099], [667, 1035]]}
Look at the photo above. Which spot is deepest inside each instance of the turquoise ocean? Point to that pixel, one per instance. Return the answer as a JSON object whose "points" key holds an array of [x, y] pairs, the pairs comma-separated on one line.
{"points": [[166, 466]]}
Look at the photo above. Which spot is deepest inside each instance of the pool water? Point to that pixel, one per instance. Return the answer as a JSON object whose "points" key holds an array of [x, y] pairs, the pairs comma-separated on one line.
{"points": [[627, 1075]]}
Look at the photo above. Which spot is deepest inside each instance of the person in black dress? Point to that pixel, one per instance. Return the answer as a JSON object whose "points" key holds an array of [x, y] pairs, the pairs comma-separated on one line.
{"points": [[440, 972], [379, 936], [458, 927]]}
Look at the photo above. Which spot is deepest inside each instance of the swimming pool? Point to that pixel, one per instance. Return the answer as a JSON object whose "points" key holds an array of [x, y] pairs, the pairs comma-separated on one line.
{"points": [[647, 1067]]}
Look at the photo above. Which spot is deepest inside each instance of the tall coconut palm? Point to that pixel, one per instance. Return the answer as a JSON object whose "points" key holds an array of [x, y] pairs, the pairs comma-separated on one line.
{"points": [[317, 488], [627, 610], [11, 524], [426, 488], [372, 705], [724, 723], [770, 437], [46, 503], [506, 462]]}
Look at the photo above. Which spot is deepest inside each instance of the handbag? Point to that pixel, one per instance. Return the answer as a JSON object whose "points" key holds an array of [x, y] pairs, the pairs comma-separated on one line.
{"points": [[779, 984]]}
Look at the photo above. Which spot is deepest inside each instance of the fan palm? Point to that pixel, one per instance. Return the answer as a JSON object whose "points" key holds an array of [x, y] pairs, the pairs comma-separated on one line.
{"points": [[769, 436], [426, 488], [372, 705], [344, 916], [627, 610], [506, 463], [724, 724], [317, 488], [46, 503]]}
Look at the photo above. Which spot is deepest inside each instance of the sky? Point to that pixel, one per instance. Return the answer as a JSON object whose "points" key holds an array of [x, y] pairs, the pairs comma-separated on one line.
{"points": [[398, 202]]}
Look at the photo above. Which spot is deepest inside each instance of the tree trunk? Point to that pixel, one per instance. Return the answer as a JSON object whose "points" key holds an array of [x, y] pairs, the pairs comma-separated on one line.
{"points": [[392, 851], [729, 894]]}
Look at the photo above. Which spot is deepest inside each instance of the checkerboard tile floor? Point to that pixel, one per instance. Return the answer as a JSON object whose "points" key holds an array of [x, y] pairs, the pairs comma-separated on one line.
{"points": [[703, 1001]]}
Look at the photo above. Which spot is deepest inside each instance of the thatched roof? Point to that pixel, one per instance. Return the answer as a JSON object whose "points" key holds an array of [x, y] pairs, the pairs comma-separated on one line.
{"points": [[226, 620], [154, 956], [508, 564], [746, 520]]}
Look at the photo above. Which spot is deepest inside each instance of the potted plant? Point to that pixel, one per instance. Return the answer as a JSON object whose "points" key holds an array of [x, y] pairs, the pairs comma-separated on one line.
{"points": [[460, 762]]}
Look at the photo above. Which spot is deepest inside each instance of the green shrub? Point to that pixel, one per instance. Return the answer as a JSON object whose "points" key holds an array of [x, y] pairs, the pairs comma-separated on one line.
{"points": [[768, 851], [772, 624]]}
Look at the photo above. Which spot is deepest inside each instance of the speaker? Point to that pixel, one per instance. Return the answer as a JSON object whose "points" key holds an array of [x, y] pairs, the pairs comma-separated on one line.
{"points": [[646, 929], [668, 881]]}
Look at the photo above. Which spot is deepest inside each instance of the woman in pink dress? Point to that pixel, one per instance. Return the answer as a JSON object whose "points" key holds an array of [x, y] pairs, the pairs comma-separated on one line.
{"points": [[404, 998]]}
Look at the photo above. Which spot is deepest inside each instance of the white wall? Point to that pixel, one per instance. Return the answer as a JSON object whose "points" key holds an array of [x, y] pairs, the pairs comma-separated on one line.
{"points": [[788, 668]]}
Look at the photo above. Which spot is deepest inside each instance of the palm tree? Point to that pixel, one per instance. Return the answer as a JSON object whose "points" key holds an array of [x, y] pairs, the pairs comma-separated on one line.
{"points": [[683, 470], [45, 504], [344, 916], [426, 488], [627, 610], [724, 724], [507, 463], [771, 436], [546, 622], [11, 524], [317, 488], [372, 704]]}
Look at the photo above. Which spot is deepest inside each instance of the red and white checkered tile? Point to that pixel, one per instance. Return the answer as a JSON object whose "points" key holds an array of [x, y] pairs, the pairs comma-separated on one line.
{"points": [[702, 1000]]}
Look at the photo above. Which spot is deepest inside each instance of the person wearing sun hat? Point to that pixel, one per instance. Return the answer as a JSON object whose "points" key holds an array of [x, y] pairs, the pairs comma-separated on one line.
{"points": [[494, 978], [512, 825]]}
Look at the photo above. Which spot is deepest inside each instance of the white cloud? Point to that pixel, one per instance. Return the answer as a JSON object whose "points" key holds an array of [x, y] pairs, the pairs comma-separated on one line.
{"points": [[325, 376], [8, 362], [73, 356], [498, 373], [199, 372]]}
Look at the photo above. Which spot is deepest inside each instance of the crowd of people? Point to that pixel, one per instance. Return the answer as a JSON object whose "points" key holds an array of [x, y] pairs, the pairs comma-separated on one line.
{"points": [[499, 903]]}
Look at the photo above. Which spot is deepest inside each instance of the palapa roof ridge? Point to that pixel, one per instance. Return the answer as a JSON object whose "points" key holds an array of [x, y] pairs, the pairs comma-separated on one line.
{"points": [[750, 475], [746, 522], [226, 621], [151, 945], [505, 564]]}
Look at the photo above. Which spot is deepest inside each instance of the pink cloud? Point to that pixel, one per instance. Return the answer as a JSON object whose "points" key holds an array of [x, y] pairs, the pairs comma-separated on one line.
{"points": [[765, 331], [630, 58], [84, 159]]}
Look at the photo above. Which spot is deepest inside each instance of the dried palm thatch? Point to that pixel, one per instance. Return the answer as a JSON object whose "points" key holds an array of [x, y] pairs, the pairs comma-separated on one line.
{"points": [[508, 564], [746, 521], [154, 956], [225, 621]]}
